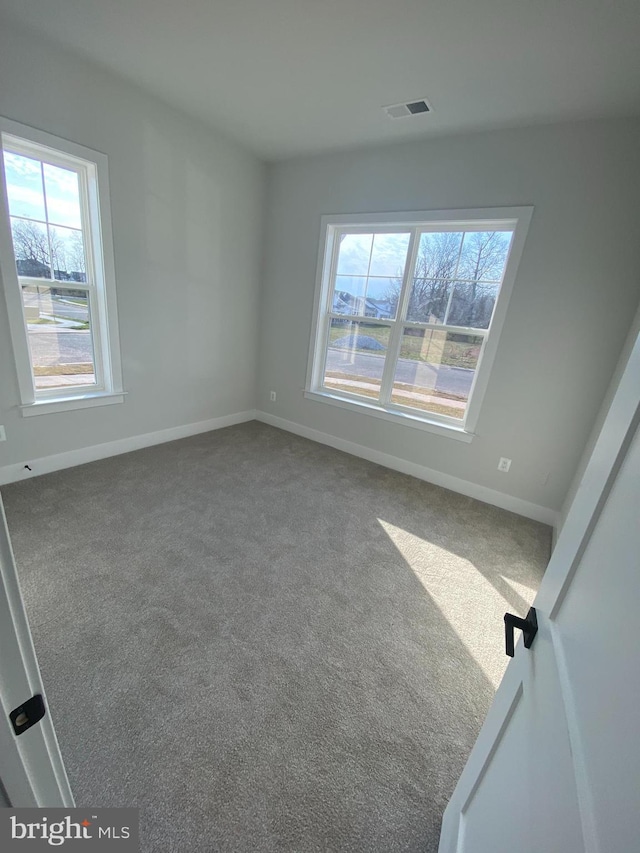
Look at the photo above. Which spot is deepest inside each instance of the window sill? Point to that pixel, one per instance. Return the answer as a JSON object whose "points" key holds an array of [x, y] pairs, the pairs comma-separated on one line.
{"points": [[64, 404], [457, 433]]}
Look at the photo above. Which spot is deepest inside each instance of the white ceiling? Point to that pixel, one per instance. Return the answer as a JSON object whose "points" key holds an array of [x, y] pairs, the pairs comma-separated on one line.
{"points": [[287, 77]]}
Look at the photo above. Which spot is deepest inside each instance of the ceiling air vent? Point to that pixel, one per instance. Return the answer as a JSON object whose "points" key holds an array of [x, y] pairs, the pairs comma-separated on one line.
{"points": [[413, 108]]}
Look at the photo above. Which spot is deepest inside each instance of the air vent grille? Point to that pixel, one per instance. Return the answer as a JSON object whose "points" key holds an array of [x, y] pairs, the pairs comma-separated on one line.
{"points": [[411, 108]]}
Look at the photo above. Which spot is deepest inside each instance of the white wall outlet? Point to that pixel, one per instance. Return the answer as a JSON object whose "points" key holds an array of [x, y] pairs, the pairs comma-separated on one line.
{"points": [[3, 434], [272, 396], [504, 464]]}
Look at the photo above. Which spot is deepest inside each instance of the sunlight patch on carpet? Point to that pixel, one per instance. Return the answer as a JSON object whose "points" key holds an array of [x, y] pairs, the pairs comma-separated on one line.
{"points": [[466, 596]]}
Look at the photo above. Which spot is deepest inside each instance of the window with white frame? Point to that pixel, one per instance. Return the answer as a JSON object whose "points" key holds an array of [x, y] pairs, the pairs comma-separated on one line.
{"points": [[56, 258], [409, 309]]}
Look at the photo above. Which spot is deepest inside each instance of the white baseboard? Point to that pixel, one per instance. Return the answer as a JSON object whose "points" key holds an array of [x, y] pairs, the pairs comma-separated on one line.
{"points": [[447, 481], [46, 464]]}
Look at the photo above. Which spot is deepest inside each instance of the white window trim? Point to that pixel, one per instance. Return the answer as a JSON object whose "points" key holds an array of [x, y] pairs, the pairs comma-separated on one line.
{"points": [[100, 245], [517, 218]]}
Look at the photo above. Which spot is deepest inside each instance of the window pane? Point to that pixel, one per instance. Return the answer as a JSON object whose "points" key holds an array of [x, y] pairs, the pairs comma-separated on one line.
{"points": [[354, 254], [67, 252], [63, 196], [472, 304], [435, 371], [428, 300], [24, 186], [348, 296], [355, 357], [31, 248], [389, 255], [382, 297], [484, 255], [438, 254], [60, 338]]}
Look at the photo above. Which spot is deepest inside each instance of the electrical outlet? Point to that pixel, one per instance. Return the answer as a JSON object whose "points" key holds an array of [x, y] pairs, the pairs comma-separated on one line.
{"points": [[3, 434], [272, 396], [504, 464]]}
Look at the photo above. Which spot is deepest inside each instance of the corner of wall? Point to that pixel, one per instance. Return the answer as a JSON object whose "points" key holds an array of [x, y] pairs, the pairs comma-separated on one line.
{"points": [[632, 336]]}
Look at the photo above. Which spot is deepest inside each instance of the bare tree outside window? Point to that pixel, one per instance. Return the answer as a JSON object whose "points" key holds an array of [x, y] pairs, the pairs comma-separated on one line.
{"points": [[31, 246], [456, 278], [39, 251]]}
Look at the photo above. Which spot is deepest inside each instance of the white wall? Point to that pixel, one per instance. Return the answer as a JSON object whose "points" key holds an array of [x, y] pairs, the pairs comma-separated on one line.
{"points": [[575, 296], [187, 213], [630, 342]]}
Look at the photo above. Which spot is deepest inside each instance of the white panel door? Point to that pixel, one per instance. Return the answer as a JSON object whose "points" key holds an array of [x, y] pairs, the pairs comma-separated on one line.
{"points": [[556, 767], [31, 766]]}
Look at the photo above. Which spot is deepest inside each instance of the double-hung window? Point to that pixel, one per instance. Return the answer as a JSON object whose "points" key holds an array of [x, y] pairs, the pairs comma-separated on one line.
{"points": [[56, 259], [408, 312]]}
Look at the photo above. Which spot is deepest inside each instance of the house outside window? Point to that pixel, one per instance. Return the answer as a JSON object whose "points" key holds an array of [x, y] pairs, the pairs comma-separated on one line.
{"points": [[56, 259], [409, 309]]}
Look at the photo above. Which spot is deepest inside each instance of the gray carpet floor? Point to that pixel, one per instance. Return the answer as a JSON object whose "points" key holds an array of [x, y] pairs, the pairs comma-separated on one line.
{"points": [[267, 644]]}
